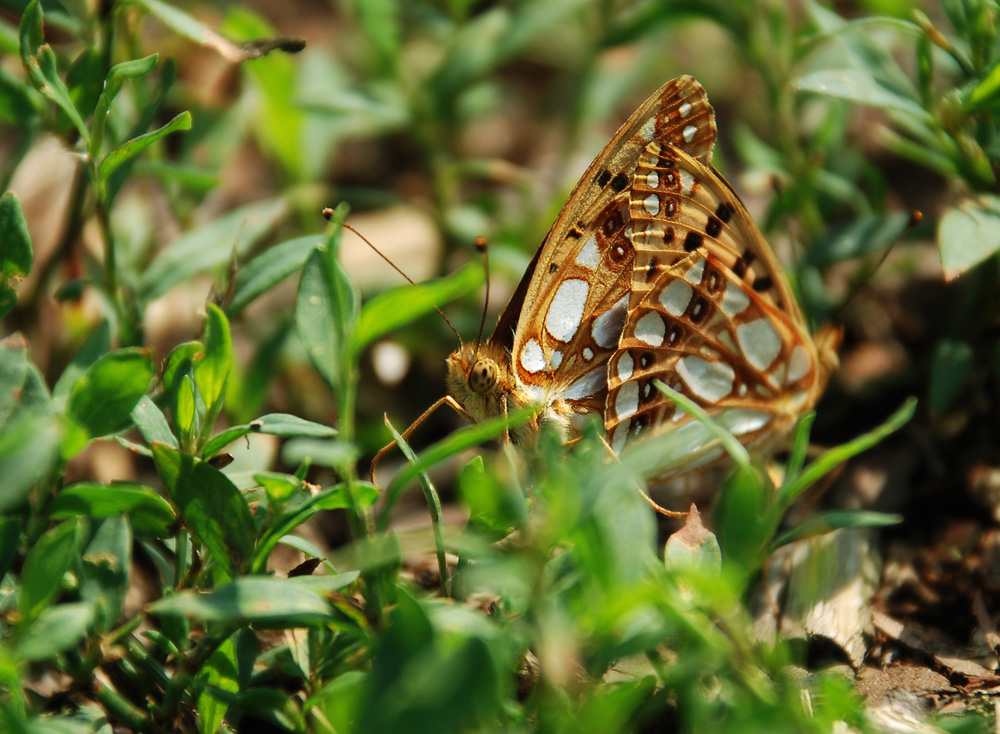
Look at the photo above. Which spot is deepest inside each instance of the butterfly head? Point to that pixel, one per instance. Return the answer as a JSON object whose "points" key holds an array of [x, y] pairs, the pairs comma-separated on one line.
{"points": [[473, 371], [483, 375]]}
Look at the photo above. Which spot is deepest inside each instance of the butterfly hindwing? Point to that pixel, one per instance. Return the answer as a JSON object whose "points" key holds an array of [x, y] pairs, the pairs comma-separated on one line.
{"points": [[710, 312]]}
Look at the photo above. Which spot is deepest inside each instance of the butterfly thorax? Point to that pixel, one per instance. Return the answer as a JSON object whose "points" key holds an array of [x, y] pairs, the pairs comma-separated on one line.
{"points": [[482, 382]]}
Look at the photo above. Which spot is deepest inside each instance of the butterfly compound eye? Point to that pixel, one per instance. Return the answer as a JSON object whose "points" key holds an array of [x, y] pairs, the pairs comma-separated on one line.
{"points": [[483, 376]]}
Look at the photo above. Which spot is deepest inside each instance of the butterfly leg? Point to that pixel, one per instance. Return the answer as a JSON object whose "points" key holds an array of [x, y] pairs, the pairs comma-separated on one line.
{"points": [[446, 400], [649, 500]]}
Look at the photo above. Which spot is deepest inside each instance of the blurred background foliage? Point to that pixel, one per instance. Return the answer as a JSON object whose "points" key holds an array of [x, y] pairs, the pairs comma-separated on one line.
{"points": [[170, 161]]}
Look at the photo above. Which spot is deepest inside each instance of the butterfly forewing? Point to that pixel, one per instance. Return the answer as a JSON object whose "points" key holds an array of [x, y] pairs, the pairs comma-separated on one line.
{"points": [[710, 312], [574, 307]]}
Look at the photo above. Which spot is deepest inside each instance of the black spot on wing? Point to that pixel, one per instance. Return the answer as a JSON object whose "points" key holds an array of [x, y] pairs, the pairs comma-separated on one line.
{"points": [[693, 241], [713, 227]]}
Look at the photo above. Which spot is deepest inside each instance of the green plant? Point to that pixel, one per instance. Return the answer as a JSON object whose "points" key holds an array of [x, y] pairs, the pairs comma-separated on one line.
{"points": [[576, 621]]}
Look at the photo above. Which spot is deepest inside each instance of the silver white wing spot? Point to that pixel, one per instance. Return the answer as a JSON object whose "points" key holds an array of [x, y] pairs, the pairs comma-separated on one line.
{"points": [[651, 329], [566, 309], [589, 256], [759, 342], [734, 300], [710, 381], [798, 365], [608, 326], [532, 357], [676, 297]]}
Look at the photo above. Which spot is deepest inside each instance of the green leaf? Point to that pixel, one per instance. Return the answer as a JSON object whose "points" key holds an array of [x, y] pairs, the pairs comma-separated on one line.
{"points": [[209, 246], [380, 23], [212, 507], [13, 374], [19, 105], [743, 518], [718, 429], [969, 234], [134, 69], [212, 367], [180, 21], [800, 445], [29, 394], [264, 602], [152, 424], [331, 498], [47, 560], [102, 400], [40, 65], [495, 507], [456, 442], [186, 411], [16, 254], [827, 522], [862, 88], [326, 584], [319, 451], [279, 487], [56, 630], [104, 571], [85, 80], [274, 424], [326, 308], [985, 92], [433, 507], [133, 147], [29, 449], [270, 268], [148, 512], [220, 672], [828, 460], [392, 309], [950, 368], [858, 238], [96, 346], [178, 365]]}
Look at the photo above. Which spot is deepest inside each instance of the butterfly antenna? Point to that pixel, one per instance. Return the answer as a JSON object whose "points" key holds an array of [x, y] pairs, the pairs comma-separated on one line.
{"points": [[916, 216], [329, 214], [481, 247]]}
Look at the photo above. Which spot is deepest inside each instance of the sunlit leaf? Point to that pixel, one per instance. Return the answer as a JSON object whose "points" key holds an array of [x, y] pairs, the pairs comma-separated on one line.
{"points": [[262, 601], [212, 507], [969, 233], [47, 560], [149, 513], [16, 254], [270, 268], [56, 630], [133, 147], [102, 399], [40, 64], [209, 246]]}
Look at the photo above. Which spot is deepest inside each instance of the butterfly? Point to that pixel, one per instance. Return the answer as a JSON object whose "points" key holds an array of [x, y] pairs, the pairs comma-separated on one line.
{"points": [[653, 270]]}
